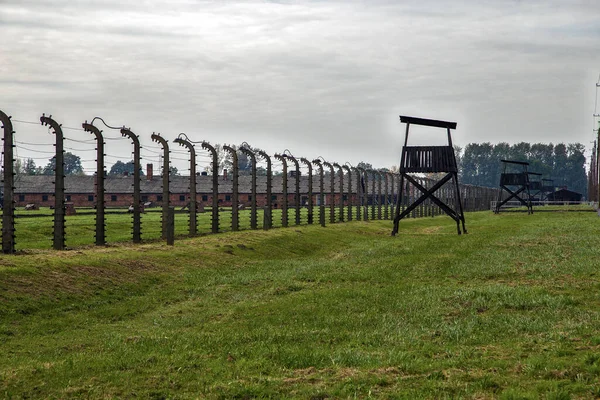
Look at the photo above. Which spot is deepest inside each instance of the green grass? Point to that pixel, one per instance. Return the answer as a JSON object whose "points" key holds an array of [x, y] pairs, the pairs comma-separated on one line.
{"points": [[34, 229], [509, 311]]}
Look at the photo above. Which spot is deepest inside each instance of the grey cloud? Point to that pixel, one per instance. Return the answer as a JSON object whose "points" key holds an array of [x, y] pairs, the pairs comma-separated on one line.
{"points": [[320, 78]]}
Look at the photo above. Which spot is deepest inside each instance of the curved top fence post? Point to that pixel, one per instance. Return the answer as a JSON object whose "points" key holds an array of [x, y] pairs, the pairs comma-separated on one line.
{"points": [[100, 219], [137, 219], [284, 204], [8, 208], [165, 181], [358, 192], [341, 171], [348, 169], [268, 221], [184, 142], [319, 165], [59, 184], [215, 186], [332, 191], [253, 217], [310, 190], [296, 187], [364, 185], [235, 223]]}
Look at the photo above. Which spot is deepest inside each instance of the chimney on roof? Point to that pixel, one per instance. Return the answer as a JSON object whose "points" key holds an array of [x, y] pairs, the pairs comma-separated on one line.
{"points": [[149, 172], [225, 174]]}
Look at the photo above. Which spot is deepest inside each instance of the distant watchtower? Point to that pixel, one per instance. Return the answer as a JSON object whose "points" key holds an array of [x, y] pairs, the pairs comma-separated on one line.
{"points": [[516, 184], [429, 159], [535, 186], [547, 188]]}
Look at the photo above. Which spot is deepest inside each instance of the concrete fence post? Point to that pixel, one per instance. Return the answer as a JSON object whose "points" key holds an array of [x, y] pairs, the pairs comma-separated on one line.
{"points": [[137, 209], [349, 193], [59, 184], [284, 189], [317, 162], [215, 187], [331, 191], [8, 208], [100, 173], [310, 204], [268, 213], [296, 187], [235, 222], [183, 141], [253, 217], [166, 203], [341, 183], [170, 226]]}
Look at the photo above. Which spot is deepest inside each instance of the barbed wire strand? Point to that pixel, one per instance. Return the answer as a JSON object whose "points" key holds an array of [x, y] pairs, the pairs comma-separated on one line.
{"points": [[90, 141], [36, 151], [33, 144]]}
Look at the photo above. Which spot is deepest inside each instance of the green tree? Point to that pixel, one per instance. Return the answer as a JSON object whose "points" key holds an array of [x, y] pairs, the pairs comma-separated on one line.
{"points": [[475, 163], [500, 152], [480, 162], [122, 168], [364, 165], [72, 165], [575, 169], [520, 152], [18, 167], [29, 168], [541, 158], [559, 170]]}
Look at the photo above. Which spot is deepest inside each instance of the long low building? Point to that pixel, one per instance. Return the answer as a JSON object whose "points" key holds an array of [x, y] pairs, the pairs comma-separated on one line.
{"points": [[80, 190]]}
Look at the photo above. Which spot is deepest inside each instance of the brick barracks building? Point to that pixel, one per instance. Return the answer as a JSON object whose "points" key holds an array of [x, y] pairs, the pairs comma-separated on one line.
{"points": [[80, 190]]}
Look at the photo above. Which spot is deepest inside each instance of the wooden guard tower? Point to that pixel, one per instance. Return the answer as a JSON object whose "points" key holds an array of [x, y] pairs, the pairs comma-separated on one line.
{"points": [[535, 186], [516, 184], [547, 188], [429, 159]]}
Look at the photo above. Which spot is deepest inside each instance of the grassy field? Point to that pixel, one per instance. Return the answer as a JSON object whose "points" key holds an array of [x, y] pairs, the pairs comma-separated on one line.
{"points": [[34, 229], [509, 311]]}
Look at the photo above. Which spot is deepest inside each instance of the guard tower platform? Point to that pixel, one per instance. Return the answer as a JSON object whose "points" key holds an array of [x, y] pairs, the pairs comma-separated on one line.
{"points": [[516, 184], [430, 159]]}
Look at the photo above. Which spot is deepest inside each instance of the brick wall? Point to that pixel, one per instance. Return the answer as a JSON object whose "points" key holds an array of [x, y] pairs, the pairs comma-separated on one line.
{"points": [[177, 199]]}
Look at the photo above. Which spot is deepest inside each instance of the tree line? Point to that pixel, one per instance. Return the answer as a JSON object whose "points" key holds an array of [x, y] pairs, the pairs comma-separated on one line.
{"points": [[479, 163]]}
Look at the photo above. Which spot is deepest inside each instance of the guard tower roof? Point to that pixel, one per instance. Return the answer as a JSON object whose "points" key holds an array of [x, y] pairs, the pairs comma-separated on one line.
{"points": [[428, 122]]}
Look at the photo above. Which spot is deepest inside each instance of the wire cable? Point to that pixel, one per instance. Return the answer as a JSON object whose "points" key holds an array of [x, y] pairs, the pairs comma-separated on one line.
{"points": [[25, 122], [33, 144], [73, 149], [81, 141], [36, 151], [72, 129], [108, 126]]}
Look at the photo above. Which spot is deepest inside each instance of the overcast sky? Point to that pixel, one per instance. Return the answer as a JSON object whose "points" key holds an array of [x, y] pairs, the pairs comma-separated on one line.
{"points": [[320, 78]]}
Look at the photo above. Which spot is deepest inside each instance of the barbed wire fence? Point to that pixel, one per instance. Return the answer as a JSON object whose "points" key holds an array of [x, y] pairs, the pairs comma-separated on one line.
{"points": [[293, 189]]}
